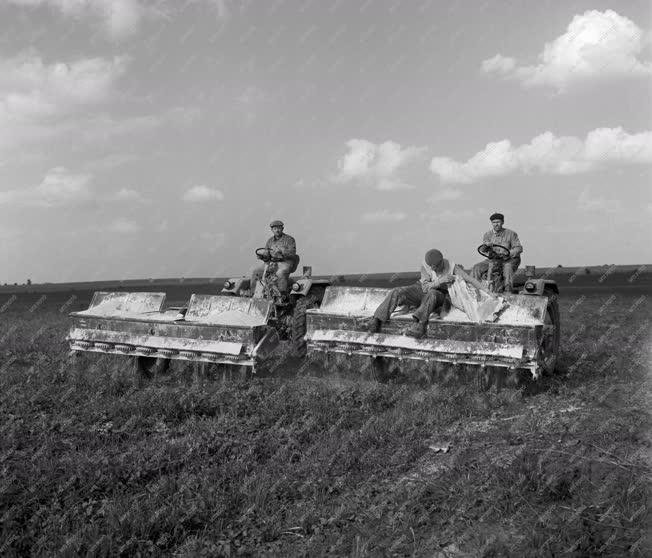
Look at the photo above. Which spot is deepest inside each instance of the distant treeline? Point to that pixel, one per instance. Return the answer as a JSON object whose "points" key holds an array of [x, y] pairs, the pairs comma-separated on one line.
{"points": [[398, 277]]}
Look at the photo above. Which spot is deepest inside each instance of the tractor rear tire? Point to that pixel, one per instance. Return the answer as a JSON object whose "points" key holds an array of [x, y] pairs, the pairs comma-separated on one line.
{"points": [[298, 328], [551, 341]]}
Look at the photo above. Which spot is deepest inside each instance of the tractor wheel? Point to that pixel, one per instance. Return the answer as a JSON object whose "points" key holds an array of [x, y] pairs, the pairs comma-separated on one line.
{"points": [[298, 328], [316, 296], [551, 334]]}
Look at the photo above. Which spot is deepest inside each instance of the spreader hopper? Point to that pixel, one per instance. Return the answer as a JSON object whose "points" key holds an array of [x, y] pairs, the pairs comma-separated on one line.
{"points": [[525, 335], [214, 329]]}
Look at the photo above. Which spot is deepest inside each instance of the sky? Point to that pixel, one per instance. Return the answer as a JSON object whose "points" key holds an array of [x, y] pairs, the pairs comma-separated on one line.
{"points": [[159, 138]]}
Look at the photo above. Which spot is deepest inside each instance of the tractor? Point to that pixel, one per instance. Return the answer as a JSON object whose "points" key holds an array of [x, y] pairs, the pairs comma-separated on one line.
{"points": [[524, 335], [240, 329]]}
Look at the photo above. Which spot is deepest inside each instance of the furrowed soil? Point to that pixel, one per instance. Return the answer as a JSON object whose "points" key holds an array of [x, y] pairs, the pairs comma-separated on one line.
{"points": [[94, 462]]}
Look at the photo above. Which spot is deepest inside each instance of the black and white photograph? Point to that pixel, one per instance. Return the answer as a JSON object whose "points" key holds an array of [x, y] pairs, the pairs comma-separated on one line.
{"points": [[357, 278]]}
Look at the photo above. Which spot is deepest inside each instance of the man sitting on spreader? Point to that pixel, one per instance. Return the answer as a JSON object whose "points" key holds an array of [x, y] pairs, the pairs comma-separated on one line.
{"points": [[429, 294]]}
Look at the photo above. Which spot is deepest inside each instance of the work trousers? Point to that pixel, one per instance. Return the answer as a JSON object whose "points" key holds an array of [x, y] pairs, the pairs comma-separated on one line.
{"points": [[283, 270], [509, 267], [412, 295]]}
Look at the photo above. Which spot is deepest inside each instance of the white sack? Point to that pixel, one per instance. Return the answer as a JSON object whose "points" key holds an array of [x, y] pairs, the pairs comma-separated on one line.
{"points": [[478, 305]]}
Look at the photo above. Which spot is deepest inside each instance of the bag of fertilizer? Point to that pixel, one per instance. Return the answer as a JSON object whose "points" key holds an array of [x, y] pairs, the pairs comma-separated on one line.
{"points": [[478, 305]]}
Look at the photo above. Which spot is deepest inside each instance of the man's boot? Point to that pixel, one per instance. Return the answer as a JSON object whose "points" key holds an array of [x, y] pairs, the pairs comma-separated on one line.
{"points": [[374, 325], [418, 330]]}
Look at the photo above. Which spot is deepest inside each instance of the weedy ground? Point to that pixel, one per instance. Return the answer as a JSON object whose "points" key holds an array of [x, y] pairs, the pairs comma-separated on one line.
{"points": [[93, 462]]}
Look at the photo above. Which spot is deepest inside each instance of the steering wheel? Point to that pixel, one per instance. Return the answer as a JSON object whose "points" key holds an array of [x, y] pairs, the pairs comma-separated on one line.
{"points": [[264, 254], [493, 251]]}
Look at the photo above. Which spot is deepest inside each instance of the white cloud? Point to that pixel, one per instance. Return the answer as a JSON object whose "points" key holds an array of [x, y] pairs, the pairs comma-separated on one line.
{"points": [[549, 154], [498, 64], [10, 197], [87, 129], [202, 194], [614, 144], [63, 188], [376, 164], [42, 101], [30, 88], [595, 45], [106, 128], [222, 7], [39, 100], [59, 188], [123, 226], [120, 18], [383, 216]]}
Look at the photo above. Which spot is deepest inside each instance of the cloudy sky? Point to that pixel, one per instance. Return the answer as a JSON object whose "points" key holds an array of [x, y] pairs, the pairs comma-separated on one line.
{"points": [[158, 138]]}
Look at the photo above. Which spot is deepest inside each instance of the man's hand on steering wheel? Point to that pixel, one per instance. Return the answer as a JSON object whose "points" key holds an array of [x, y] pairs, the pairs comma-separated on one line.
{"points": [[494, 251], [263, 254]]}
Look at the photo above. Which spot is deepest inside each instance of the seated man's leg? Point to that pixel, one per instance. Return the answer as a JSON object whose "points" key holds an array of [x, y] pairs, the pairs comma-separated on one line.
{"points": [[509, 268], [283, 271], [480, 269], [255, 274], [411, 295], [432, 300]]}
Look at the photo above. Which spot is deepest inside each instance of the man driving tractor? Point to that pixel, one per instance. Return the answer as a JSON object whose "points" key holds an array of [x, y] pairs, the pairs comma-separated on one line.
{"points": [[429, 294], [281, 249], [501, 247]]}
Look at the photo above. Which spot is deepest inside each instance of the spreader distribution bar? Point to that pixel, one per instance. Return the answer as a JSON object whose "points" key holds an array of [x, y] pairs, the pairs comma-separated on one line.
{"points": [[512, 341]]}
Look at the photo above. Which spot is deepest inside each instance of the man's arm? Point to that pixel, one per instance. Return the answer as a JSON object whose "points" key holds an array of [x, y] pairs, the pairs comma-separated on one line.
{"points": [[290, 248], [427, 282], [284, 248], [515, 248]]}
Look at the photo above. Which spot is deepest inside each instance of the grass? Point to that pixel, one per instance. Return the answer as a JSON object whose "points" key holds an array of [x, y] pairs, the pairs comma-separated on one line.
{"points": [[94, 463]]}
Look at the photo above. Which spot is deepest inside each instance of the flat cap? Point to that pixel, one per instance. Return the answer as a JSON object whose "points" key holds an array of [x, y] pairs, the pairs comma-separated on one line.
{"points": [[433, 257], [497, 216], [276, 223]]}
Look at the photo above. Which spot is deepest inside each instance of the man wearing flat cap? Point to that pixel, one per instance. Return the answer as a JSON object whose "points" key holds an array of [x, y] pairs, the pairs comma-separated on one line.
{"points": [[428, 293], [506, 238], [282, 250]]}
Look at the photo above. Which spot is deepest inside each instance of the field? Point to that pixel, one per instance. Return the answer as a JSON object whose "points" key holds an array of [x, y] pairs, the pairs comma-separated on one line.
{"points": [[96, 463]]}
